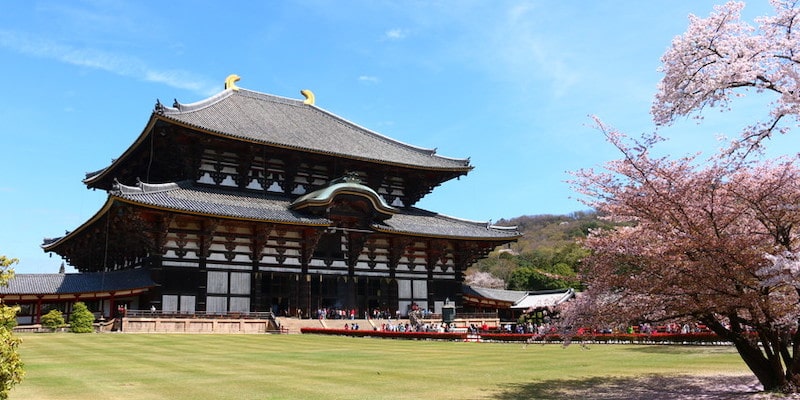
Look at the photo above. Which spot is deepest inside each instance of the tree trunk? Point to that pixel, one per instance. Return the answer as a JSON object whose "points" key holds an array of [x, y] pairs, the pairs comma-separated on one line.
{"points": [[752, 356], [769, 373]]}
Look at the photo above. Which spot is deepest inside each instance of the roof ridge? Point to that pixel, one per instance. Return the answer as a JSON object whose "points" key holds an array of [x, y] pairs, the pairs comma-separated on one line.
{"points": [[143, 187], [271, 97], [179, 108]]}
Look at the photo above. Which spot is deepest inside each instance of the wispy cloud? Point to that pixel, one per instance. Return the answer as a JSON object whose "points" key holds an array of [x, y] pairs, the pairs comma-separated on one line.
{"points": [[368, 79], [522, 52], [395, 34], [115, 63]]}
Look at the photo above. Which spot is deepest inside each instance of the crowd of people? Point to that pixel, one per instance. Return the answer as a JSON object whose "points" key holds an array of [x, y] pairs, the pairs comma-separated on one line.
{"points": [[390, 326], [336, 313], [376, 313]]}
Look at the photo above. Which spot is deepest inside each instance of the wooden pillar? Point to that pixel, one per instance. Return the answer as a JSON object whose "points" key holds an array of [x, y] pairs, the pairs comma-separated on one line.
{"points": [[38, 310], [258, 302], [304, 294], [112, 307], [258, 241], [392, 295], [351, 286]]}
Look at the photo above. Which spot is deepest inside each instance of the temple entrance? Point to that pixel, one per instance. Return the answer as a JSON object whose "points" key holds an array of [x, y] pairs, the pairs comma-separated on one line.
{"points": [[280, 293], [301, 296]]}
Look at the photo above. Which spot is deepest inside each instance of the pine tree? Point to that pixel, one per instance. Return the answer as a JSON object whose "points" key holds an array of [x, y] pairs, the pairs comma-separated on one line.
{"points": [[81, 319]]}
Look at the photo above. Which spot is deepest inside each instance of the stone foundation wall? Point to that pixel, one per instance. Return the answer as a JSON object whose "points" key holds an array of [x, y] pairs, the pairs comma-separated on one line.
{"points": [[196, 325]]}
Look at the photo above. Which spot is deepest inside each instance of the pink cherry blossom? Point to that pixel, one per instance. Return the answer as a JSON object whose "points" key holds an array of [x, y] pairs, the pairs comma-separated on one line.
{"points": [[714, 242], [721, 57]]}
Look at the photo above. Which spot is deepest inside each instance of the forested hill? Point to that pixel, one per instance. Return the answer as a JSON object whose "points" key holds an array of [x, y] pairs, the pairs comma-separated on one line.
{"points": [[546, 257], [543, 231]]}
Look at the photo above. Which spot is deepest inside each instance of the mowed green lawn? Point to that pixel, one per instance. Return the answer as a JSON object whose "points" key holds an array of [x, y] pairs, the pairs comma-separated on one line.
{"points": [[177, 366]]}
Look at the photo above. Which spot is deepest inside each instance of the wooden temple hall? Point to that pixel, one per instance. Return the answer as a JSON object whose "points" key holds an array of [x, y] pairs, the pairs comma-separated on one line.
{"points": [[249, 202]]}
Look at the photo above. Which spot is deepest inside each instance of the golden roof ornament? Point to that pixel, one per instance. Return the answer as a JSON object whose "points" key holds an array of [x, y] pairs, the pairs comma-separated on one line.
{"points": [[309, 95], [230, 82]]}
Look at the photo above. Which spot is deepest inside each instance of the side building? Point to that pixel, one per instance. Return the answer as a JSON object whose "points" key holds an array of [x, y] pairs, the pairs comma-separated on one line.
{"points": [[249, 202]]}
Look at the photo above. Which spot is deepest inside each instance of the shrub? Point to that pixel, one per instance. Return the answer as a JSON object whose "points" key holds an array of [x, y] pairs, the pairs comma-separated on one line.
{"points": [[11, 369], [81, 319], [8, 316], [53, 320]]}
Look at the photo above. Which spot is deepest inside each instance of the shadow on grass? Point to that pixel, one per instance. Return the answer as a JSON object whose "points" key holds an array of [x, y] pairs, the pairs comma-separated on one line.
{"points": [[668, 349], [645, 387]]}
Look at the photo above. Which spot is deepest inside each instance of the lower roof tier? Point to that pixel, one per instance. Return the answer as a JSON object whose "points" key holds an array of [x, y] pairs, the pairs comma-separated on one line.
{"points": [[127, 208], [190, 198]]}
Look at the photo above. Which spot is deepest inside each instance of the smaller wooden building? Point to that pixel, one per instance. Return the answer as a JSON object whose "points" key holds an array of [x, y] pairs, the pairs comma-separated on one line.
{"points": [[511, 304], [36, 294]]}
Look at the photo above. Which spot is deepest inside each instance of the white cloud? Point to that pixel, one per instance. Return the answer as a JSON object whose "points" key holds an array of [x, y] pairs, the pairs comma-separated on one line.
{"points": [[524, 53], [512, 42], [115, 63], [395, 34], [368, 79]]}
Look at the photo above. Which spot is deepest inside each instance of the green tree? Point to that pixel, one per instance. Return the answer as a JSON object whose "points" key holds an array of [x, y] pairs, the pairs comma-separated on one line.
{"points": [[558, 276], [81, 319], [11, 367], [53, 320], [500, 266]]}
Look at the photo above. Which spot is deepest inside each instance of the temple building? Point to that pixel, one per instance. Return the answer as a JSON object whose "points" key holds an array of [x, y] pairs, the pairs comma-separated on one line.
{"points": [[250, 202]]}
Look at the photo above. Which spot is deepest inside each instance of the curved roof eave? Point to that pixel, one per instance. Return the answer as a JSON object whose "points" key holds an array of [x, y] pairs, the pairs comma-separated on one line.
{"points": [[480, 230], [142, 136], [47, 247], [499, 239], [222, 216]]}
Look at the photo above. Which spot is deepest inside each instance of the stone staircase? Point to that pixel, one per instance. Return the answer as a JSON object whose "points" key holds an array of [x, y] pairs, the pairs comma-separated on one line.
{"points": [[293, 325]]}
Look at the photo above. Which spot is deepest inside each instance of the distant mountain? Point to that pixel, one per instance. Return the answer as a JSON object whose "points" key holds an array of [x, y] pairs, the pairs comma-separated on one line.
{"points": [[546, 257], [548, 230]]}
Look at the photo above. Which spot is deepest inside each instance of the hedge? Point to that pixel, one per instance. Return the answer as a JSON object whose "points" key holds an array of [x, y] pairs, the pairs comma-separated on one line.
{"points": [[387, 334], [700, 338]]}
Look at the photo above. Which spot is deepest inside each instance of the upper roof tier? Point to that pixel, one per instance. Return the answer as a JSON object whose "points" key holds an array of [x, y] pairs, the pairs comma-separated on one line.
{"points": [[245, 135], [263, 118]]}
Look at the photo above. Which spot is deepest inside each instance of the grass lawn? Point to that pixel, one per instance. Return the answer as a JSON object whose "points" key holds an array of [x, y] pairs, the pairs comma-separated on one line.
{"points": [[175, 366]]}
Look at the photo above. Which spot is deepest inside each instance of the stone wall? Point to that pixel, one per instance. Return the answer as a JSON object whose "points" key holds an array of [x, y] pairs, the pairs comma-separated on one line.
{"points": [[197, 325]]}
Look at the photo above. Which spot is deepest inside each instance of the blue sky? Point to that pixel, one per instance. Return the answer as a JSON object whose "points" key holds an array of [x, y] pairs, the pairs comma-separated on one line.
{"points": [[508, 83]]}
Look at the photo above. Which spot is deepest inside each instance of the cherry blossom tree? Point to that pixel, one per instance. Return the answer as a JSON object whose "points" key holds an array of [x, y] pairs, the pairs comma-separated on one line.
{"points": [[712, 242], [722, 57], [484, 279]]}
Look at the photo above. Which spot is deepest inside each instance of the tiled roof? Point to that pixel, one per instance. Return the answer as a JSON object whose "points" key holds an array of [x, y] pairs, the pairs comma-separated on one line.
{"points": [[290, 123], [522, 299], [187, 197], [536, 300], [427, 223], [23, 284], [511, 296]]}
